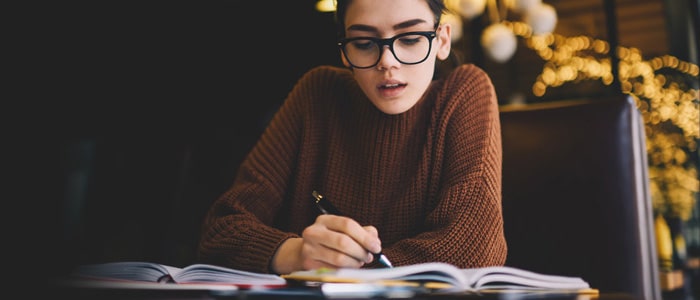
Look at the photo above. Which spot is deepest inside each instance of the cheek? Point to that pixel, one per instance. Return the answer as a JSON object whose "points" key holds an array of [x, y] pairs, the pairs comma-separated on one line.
{"points": [[421, 79], [364, 78], [425, 72]]}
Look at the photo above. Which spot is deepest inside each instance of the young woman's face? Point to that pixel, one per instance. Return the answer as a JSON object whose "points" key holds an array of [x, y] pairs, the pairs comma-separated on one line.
{"points": [[394, 87]]}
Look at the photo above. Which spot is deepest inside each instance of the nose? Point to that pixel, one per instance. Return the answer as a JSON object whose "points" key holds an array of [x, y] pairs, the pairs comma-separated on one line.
{"points": [[387, 59]]}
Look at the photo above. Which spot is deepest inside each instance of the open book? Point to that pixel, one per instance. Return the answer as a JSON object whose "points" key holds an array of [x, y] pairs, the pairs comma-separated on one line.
{"points": [[136, 271], [446, 276]]}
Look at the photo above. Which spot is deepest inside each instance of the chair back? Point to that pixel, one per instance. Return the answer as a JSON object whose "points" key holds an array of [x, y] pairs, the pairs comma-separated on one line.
{"points": [[576, 199]]}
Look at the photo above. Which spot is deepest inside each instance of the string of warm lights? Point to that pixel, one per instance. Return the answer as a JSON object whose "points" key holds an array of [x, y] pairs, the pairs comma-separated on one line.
{"points": [[669, 106]]}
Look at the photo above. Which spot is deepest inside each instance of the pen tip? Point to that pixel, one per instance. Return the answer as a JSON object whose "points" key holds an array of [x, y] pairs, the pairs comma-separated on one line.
{"points": [[385, 261]]}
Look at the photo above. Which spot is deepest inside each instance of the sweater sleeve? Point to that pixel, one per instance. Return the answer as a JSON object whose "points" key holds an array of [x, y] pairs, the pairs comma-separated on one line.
{"points": [[465, 227]]}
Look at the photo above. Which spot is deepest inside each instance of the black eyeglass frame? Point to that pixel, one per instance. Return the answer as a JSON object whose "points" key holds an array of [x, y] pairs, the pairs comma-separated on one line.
{"points": [[388, 42]]}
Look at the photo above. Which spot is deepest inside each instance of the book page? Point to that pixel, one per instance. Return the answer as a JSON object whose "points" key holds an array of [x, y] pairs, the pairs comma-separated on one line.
{"points": [[137, 285], [504, 274], [193, 274], [425, 272], [204, 273], [127, 270], [503, 281]]}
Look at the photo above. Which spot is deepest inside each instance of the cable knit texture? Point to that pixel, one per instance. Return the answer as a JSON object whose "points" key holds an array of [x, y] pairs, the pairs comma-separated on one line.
{"points": [[428, 179]]}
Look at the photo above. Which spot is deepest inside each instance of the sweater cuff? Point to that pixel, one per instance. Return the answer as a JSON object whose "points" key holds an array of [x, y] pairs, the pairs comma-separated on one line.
{"points": [[262, 252]]}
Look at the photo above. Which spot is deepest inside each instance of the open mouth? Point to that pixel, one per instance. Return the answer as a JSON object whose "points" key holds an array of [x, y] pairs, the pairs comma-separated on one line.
{"points": [[392, 86]]}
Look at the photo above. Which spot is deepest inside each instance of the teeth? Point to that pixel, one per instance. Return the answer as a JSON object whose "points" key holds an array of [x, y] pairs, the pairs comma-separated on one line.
{"points": [[391, 85]]}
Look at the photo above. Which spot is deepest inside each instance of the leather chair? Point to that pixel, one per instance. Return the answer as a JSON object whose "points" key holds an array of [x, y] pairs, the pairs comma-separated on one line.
{"points": [[575, 193]]}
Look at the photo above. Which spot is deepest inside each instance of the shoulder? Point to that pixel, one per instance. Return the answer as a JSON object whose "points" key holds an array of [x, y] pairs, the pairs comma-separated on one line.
{"points": [[468, 76], [324, 82], [325, 73], [467, 84], [467, 95], [320, 83]]}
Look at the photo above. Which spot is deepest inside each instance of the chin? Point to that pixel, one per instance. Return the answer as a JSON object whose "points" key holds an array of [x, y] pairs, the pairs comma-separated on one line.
{"points": [[393, 108]]}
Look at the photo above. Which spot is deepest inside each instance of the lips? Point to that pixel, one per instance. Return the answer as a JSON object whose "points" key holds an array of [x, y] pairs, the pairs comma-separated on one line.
{"points": [[389, 84], [392, 85], [391, 89]]}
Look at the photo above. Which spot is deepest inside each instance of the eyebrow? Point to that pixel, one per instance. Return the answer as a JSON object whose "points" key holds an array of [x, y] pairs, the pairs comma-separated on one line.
{"points": [[402, 25]]}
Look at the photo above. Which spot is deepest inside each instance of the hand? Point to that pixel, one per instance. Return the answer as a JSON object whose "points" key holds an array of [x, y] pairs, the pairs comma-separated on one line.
{"points": [[333, 242]]}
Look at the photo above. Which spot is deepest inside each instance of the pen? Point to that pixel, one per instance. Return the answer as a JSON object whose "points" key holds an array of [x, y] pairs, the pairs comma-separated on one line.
{"points": [[326, 207]]}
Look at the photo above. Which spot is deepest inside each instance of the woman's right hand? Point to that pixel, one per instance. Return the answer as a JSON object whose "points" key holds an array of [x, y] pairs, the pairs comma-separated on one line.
{"points": [[331, 242]]}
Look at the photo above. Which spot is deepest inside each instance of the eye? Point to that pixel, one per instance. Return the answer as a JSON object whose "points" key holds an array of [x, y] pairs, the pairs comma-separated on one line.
{"points": [[363, 44], [410, 39]]}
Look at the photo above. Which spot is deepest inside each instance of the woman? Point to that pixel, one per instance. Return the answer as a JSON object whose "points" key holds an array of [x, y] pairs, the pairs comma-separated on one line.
{"points": [[413, 162]]}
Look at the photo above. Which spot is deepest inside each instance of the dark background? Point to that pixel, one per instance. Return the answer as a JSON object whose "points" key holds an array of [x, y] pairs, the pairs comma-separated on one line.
{"points": [[143, 112]]}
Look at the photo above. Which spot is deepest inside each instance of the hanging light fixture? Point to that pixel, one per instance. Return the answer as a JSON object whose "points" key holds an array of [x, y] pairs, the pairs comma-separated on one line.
{"points": [[542, 19], [498, 40], [468, 9], [523, 6]]}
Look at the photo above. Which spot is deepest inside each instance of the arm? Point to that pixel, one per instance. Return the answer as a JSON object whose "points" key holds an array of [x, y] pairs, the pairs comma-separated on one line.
{"points": [[252, 226], [238, 230]]}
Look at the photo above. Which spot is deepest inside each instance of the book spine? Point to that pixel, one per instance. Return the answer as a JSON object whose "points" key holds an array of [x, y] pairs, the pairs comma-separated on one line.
{"points": [[167, 278]]}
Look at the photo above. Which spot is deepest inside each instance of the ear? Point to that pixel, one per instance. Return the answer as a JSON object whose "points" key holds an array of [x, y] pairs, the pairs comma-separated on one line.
{"points": [[444, 41]]}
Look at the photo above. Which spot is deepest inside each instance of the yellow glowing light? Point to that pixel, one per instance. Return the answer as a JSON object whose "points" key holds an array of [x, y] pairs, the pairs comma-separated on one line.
{"points": [[325, 5], [663, 102]]}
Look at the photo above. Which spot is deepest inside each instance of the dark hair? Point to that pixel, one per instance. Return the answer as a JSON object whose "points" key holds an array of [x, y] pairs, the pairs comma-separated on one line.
{"points": [[437, 6]]}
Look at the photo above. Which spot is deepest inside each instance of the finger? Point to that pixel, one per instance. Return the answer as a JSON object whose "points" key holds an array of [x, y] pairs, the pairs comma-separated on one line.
{"points": [[367, 236], [347, 245], [314, 257], [373, 242], [331, 249], [371, 230]]}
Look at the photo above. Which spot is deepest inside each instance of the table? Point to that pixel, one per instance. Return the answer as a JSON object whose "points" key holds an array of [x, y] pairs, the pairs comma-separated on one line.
{"points": [[301, 293]]}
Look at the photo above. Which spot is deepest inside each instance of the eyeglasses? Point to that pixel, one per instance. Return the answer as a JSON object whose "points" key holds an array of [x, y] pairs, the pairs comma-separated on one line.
{"points": [[408, 48]]}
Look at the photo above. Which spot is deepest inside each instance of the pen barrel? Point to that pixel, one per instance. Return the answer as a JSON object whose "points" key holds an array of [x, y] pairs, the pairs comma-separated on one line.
{"points": [[327, 207]]}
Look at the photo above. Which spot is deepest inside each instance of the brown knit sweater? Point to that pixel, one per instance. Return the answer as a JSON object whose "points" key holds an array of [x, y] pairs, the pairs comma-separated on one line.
{"points": [[428, 179]]}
